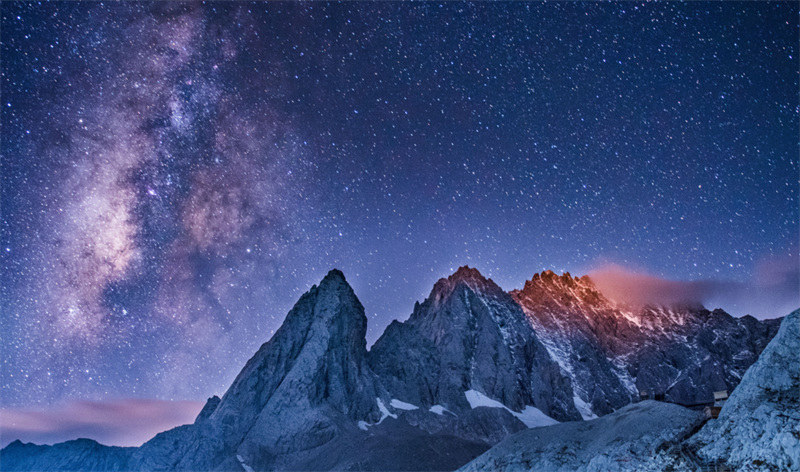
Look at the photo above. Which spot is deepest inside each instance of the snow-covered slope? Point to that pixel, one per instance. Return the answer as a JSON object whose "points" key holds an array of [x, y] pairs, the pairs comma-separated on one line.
{"points": [[759, 426], [625, 440]]}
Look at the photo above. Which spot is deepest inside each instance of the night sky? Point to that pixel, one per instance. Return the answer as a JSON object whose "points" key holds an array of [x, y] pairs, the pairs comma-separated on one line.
{"points": [[174, 177]]}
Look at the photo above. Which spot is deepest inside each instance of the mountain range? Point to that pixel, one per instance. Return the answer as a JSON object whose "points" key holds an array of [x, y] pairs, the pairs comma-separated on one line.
{"points": [[471, 366], [758, 429]]}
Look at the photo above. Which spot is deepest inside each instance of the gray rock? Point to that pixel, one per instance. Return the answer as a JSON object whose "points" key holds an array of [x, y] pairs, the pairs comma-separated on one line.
{"points": [[393, 445], [759, 425], [483, 425], [697, 354], [470, 335], [625, 440], [612, 351], [307, 385], [208, 408]]}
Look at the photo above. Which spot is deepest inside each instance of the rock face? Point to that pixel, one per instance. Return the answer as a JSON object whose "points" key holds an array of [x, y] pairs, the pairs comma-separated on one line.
{"points": [[470, 335], [759, 426], [612, 351], [582, 330], [305, 386], [624, 440], [311, 377], [471, 366], [705, 351], [208, 408]]}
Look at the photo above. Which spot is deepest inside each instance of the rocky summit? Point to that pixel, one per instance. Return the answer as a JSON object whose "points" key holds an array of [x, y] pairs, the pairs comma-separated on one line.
{"points": [[471, 336], [471, 366], [613, 352]]}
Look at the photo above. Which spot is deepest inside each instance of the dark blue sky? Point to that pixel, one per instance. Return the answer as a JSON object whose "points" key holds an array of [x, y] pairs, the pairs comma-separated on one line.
{"points": [[175, 176]]}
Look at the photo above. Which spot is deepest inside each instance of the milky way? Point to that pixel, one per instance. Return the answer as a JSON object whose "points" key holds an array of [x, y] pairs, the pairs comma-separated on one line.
{"points": [[175, 175]]}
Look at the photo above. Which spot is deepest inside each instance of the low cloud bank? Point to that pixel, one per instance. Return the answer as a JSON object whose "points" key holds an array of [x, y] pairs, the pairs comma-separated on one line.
{"points": [[773, 291], [122, 422]]}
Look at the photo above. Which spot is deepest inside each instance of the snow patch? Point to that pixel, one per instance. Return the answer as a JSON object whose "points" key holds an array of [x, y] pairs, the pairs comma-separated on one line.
{"points": [[246, 467], [631, 317], [439, 410], [400, 405], [476, 399], [531, 416], [623, 375], [384, 411], [583, 408]]}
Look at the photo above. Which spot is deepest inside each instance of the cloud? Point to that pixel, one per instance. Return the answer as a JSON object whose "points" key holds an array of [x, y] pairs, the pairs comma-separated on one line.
{"points": [[772, 291], [122, 422], [639, 288]]}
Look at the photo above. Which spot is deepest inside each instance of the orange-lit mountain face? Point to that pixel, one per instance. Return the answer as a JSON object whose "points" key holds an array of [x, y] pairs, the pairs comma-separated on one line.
{"points": [[547, 294], [563, 303], [682, 351]]}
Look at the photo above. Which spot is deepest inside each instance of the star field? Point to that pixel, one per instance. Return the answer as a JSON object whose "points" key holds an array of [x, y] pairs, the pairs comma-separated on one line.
{"points": [[175, 176]]}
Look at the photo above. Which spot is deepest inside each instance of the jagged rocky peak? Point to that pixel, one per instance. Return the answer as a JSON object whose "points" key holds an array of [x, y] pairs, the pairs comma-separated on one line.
{"points": [[311, 379], [334, 276], [548, 287], [465, 276], [466, 272], [333, 298], [305, 387], [321, 344], [208, 408], [548, 277], [470, 335]]}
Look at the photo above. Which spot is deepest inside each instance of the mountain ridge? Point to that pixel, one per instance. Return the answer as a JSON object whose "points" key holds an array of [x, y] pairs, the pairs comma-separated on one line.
{"points": [[471, 365], [481, 339]]}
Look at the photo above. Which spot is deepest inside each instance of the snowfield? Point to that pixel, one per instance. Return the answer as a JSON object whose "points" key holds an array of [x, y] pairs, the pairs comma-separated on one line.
{"points": [[625, 440]]}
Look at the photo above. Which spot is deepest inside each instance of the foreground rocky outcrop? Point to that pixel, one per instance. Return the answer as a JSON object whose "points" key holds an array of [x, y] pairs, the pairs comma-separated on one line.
{"points": [[759, 426], [624, 440]]}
